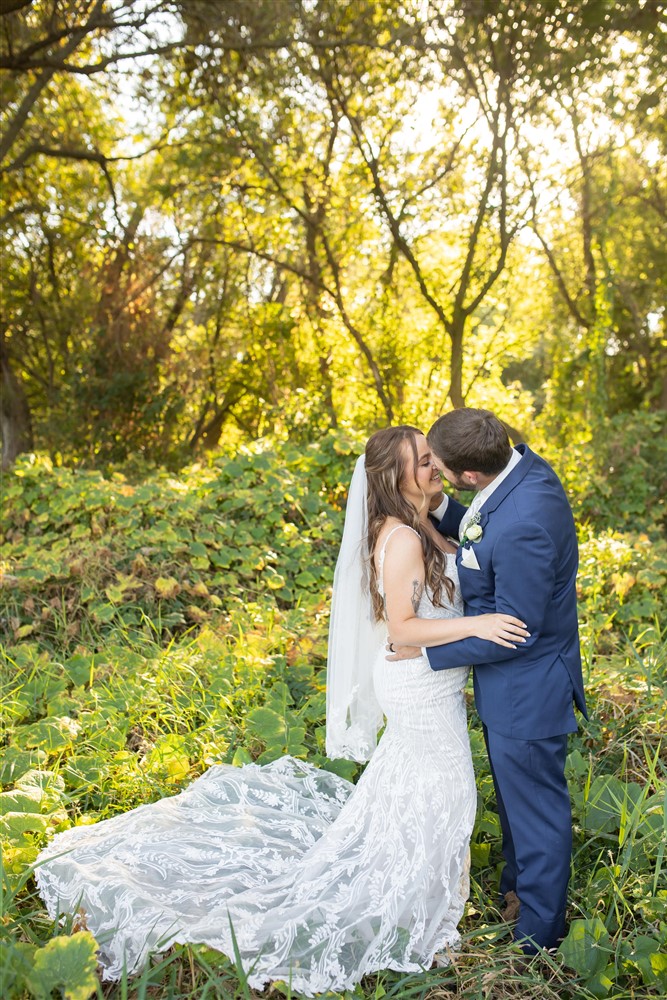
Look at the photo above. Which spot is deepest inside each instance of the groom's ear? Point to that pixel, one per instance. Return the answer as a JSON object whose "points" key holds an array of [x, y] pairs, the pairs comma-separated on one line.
{"points": [[472, 479]]}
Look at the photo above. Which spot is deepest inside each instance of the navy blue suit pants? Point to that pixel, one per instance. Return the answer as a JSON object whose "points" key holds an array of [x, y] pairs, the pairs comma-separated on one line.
{"points": [[536, 822]]}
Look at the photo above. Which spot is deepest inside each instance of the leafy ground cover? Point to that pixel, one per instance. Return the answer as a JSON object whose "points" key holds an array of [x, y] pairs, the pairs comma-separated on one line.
{"points": [[157, 625]]}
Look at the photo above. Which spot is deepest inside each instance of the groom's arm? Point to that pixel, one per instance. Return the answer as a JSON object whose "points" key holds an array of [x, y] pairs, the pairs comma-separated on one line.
{"points": [[524, 562], [447, 516]]}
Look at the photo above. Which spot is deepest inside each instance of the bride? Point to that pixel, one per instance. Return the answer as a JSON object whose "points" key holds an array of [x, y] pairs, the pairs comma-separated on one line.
{"points": [[314, 880]]}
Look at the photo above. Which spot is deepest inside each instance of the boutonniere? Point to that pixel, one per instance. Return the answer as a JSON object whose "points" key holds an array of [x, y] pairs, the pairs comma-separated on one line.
{"points": [[473, 532]]}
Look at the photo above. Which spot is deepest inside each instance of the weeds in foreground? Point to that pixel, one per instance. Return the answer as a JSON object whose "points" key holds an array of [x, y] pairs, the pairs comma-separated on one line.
{"points": [[169, 647]]}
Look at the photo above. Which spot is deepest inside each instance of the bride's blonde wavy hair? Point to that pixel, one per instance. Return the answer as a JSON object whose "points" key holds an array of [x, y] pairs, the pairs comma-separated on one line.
{"points": [[385, 469]]}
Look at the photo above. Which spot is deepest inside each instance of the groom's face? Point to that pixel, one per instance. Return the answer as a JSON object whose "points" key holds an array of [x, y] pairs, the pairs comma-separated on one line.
{"points": [[461, 481]]}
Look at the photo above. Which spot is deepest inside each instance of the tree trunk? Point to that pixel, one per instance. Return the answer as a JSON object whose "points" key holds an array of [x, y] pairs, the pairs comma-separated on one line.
{"points": [[456, 330], [660, 402], [15, 420], [207, 435], [327, 388]]}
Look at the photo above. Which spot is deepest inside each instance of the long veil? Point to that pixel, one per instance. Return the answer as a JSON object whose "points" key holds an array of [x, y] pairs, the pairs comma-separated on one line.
{"points": [[354, 715]]}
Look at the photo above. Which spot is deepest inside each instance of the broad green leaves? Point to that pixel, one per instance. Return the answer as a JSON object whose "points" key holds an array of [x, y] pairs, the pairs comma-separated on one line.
{"points": [[610, 803], [170, 756], [144, 667], [15, 763], [646, 954], [587, 949], [67, 964], [50, 734], [277, 725], [172, 551]]}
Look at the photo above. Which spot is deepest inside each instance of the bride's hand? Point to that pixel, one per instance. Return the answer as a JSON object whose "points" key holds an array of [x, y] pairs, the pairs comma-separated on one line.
{"points": [[506, 630]]}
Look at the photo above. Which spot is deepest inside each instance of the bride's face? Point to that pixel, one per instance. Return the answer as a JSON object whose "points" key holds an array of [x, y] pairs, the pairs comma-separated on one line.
{"points": [[419, 487]]}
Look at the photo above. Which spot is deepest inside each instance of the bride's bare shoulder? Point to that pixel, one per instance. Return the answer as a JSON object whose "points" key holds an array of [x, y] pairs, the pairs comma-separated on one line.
{"points": [[389, 524]]}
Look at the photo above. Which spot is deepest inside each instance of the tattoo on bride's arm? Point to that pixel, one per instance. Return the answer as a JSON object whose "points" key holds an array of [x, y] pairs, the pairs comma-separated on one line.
{"points": [[417, 591]]}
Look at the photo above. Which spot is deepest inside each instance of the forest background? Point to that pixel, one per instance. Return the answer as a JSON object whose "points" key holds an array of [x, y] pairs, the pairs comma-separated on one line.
{"points": [[238, 236]]}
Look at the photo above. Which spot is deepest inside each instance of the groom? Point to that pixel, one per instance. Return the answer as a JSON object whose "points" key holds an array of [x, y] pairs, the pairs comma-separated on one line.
{"points": [[518, 555]]}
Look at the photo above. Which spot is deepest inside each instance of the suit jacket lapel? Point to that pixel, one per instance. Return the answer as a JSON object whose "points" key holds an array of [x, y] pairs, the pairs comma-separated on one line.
{"points": [[508, 484]]}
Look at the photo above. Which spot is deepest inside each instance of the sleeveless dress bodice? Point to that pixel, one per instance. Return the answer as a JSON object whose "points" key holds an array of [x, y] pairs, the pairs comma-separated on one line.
{"points": [[424, 681]]}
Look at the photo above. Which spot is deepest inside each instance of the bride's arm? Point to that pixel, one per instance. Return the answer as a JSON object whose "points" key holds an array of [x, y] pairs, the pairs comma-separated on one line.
{"points": [[404, 586]]}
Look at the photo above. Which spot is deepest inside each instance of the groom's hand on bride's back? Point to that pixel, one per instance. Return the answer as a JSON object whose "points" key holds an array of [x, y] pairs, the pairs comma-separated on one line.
{"points": [[402, 652]]}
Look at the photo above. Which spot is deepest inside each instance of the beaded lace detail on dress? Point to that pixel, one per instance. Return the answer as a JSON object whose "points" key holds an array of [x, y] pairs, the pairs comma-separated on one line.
{"points": [[323, 881]]}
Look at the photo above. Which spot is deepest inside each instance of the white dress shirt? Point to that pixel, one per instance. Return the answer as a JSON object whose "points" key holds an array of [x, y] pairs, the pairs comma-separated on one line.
{"points": [[482, 496], [479, 499]]}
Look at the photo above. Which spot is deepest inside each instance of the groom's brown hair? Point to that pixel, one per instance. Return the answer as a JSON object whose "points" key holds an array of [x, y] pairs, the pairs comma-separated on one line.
{"points": [[468, 440]]}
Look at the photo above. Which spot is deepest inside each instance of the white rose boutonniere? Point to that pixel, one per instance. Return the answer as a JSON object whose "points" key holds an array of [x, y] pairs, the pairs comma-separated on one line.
{"points": [[473, 532]]}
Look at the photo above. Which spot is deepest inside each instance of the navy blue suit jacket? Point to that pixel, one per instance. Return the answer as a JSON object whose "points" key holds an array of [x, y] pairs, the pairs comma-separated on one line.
{"points": [[528, 562]]}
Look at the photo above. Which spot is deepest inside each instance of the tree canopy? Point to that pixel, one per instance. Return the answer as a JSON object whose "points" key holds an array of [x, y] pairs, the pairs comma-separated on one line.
{"points": [[233, 218]]}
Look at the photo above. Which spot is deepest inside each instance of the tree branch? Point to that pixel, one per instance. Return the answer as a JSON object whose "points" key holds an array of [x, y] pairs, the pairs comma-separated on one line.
{"points": [[88, 69], [11, 6], [394, 225], [12, 133], [334, 293], [354, 332], [464, 280], [79, 153], [560, 280], [586, 214]]}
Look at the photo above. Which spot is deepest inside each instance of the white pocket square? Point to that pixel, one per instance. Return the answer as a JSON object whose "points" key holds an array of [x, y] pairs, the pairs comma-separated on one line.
{"points": [[469, 559]]}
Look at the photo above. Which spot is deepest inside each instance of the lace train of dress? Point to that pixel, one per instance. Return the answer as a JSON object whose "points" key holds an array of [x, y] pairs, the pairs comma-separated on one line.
{"points": [[323, 881]]}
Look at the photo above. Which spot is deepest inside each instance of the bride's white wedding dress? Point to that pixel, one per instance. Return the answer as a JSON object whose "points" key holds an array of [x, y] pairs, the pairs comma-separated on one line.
{"points": [[323, 881]]}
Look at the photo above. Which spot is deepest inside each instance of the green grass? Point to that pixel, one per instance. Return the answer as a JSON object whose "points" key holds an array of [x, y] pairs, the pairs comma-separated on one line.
{"points": [[131, 667]]}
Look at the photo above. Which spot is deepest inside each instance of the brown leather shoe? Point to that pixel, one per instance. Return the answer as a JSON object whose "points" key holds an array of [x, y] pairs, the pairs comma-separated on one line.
{"points": [[510, 913]]}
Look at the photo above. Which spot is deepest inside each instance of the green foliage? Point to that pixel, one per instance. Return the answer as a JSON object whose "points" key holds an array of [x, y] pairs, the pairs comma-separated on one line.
{"points": [[345, 248], [617, 479], [67, 964], [350, 242], [622, 581], [160, 624], [83, 554], [587, 949]]}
